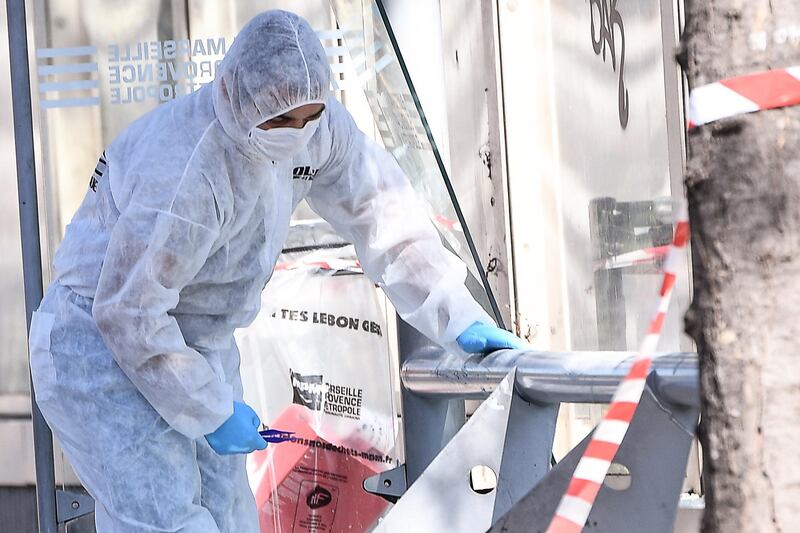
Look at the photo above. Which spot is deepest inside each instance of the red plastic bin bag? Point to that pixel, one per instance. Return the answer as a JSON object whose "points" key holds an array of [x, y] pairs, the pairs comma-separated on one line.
{"points": [[307, 484]]}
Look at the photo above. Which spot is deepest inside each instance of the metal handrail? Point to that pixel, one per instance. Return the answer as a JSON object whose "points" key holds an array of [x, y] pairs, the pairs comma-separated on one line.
{"points": [[548, 377]]}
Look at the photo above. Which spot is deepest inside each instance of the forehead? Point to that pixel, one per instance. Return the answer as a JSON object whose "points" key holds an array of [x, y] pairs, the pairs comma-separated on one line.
{"points": [[304, 111]]}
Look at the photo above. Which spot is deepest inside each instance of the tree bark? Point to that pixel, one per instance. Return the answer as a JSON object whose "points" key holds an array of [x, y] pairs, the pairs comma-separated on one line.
{"points": [[743, 185]]}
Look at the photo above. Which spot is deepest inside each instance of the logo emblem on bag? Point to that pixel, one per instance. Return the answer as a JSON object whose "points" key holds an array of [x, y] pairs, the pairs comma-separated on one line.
{"points": [[309, 391], [319, 497]]}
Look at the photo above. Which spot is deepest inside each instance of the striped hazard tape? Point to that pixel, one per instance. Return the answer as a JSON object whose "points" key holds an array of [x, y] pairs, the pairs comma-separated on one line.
{"points": [[744, 94], [645, 256], [447, 223], [576, 504], [343, 265]]}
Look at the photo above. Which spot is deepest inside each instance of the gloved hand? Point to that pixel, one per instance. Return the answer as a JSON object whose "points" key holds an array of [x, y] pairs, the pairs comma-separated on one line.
{"points": [[483, 338], [239, 433]]}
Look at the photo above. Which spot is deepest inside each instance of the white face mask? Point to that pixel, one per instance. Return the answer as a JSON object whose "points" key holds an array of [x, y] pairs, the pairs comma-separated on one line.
{"points": [[280, 144]]}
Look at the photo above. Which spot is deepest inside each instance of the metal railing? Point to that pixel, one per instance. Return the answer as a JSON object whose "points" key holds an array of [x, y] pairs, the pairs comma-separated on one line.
{"points": [[512, 435], [548, 377]]}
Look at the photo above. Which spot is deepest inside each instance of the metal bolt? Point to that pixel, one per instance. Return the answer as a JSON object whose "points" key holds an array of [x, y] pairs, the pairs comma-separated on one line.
{"points": [[75, 505]]}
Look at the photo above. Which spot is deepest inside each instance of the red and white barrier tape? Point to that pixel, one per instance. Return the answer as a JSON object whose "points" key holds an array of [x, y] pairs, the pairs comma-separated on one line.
{"points": [[744, 94], [352, 265], [451, 225], [349, 265], [576, 504], [645, 256]]}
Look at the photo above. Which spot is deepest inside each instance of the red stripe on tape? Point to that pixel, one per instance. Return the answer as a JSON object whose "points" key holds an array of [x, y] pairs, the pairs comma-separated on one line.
{"points": [[769, 90], [658, 251], [763, 90], [681, 234], [621, 411], [639, 369], [666, 286], [443, 220], [599, 449], [657, 323], [583, 488]]}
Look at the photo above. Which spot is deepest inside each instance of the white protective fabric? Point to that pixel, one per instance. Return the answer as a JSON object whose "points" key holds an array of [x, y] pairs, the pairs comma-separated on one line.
{"points": [[174, 243]]}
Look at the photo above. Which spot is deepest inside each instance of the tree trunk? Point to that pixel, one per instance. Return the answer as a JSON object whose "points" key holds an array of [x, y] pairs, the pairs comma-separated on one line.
{"points": [[743, 183]]}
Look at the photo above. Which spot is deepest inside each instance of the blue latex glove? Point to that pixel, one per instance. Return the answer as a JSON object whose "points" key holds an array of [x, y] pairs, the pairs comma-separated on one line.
{"points": [[482, 338], [239, 433]]}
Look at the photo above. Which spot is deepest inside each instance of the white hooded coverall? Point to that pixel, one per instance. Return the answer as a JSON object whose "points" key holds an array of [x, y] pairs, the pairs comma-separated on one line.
{"points": [[132, 350]]}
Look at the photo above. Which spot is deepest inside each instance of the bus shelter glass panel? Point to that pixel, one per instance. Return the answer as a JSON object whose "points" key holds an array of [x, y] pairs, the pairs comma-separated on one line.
{"points": [[13, 363], [617, 125], [98, 66], [17, 469], [377, 69]]}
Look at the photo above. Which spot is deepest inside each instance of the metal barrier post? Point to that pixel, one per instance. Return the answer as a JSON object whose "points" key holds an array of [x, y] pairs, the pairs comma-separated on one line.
{"points": [[642, 491], [511, 434], [429, 423], [31, 251]]}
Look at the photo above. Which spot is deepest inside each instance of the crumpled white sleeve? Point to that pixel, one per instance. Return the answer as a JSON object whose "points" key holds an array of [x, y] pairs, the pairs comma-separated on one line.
{"points": [[153, 253], [362, 192]]}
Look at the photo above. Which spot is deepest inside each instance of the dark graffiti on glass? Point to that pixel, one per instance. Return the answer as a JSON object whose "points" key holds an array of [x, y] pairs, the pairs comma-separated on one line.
{"points": [[606, 27]]}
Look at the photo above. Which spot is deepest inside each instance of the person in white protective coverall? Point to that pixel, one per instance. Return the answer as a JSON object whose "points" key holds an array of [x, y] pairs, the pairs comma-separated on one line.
{"points": [[133, 358]]}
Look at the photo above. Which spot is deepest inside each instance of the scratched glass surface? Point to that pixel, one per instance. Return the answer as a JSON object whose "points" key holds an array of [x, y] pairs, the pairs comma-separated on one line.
{"points": [[13, 348], [95, 78], [393, 103], [617, 184], [613, 150]]}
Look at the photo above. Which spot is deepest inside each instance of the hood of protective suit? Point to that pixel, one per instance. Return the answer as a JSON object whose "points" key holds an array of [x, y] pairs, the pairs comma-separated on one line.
{"points": [[274, 65]]}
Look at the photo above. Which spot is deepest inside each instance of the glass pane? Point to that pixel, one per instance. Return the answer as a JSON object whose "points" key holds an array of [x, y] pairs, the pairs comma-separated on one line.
{"points": [[620, 173], [96, 81], [616, 172], [13, 348], [401, 126]]}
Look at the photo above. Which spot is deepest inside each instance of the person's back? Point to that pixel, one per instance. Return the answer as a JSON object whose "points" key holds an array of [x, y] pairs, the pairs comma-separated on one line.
{"points": [[132, 350], [152, 152]]}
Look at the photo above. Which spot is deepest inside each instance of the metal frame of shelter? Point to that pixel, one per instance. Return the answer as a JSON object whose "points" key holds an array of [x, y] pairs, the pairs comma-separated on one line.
{"points": [[31, 248], [511, 433]]}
